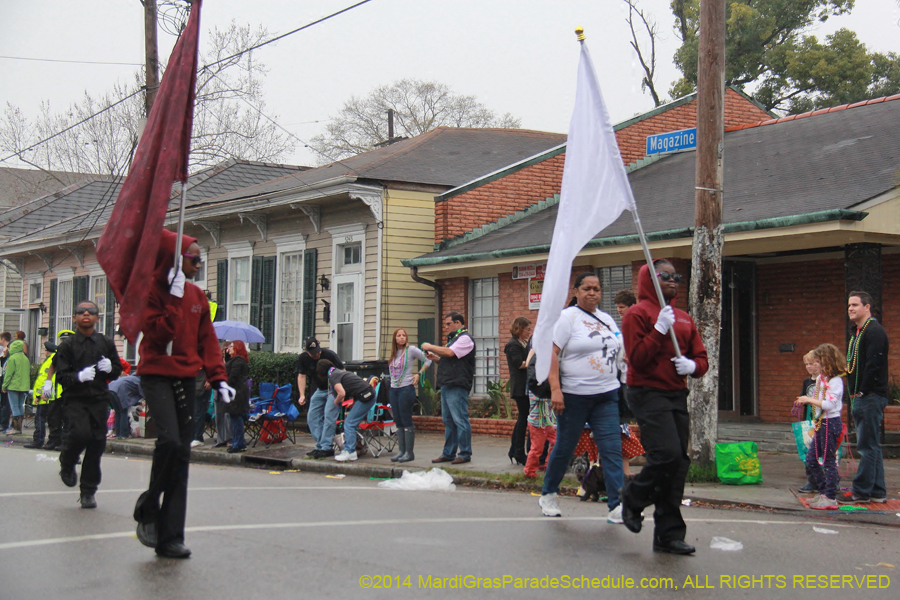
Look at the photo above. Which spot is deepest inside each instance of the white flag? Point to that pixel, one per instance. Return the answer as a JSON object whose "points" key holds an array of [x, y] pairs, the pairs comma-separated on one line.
{"points": [[595, 191]]}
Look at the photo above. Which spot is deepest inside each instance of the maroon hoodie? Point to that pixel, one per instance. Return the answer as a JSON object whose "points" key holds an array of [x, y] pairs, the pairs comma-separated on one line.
{"points": [[184, 321], [650, 352]]}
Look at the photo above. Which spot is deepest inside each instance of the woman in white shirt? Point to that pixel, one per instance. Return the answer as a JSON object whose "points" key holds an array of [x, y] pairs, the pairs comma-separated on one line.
{"points": [[404, 379], [587, 364]]}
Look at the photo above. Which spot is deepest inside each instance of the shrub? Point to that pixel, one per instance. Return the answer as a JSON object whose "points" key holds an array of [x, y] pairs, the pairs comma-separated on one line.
{"points": [[270, 367]]}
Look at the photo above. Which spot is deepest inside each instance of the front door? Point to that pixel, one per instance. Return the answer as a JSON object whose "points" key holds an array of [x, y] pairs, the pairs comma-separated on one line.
{"points": [[31, 334], [737, 351], [347, 318]]}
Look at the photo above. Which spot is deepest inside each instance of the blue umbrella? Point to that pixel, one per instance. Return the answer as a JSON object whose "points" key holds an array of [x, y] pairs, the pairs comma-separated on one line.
{"points": [[236, 330]]}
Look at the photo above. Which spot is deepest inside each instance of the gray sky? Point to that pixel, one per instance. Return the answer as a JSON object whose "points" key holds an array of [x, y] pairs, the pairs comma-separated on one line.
{"points": [[517, 56]]}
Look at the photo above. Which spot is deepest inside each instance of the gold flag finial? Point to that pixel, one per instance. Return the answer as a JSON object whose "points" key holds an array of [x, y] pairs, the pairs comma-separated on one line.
{"points": [[579, 32]]}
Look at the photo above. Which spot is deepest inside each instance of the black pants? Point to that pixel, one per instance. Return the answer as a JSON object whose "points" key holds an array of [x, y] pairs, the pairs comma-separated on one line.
{"points": [[87, 433], [55, 422], [517, 447], [665, 434], [5, 411], [40, 423], [171, 405]]}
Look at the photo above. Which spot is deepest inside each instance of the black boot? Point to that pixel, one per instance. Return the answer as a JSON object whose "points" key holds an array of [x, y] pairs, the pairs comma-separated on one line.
{"points": [[410, 435], [401, 445]]}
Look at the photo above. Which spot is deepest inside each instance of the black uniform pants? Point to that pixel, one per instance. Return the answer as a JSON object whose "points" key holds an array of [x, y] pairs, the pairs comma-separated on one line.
{"points": [[665, 434], [87, 433], [55, 422], [171, 405]]}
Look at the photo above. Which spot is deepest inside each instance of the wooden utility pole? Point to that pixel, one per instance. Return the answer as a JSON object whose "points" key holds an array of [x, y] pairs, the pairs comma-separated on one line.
{"points": [[151, 53], [706, 255]]}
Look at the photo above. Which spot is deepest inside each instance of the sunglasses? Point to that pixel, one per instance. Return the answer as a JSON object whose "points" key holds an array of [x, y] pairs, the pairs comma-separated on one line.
{"points": [[91, 311], [195, 260], [664, 276]]}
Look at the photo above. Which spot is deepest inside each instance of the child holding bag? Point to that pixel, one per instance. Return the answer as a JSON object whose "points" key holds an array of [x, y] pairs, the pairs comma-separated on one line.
{"points": [[827, 398]]}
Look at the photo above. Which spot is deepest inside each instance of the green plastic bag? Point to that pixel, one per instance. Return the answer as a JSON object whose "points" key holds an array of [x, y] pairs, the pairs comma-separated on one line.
{"points": [[738, 463]]}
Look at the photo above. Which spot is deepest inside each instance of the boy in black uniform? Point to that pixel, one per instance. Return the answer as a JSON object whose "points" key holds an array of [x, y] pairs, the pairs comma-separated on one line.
{"points": [[85, 364]]}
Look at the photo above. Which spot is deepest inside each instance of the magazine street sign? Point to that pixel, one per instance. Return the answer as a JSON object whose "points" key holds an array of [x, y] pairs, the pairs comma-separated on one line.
{"points": [[672, 141]]}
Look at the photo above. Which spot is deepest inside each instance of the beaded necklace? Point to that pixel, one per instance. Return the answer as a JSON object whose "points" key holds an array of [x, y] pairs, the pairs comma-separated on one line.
{"points": [[818, 421], [401, 362], [853, 353]]}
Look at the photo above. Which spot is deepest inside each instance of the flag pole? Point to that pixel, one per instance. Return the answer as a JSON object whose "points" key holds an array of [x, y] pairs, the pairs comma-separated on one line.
{"points": [[579, 32], [178, 248]]}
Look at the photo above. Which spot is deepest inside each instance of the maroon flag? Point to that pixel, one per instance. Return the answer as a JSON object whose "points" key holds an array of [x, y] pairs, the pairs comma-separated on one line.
{"points": [[129, 243]]}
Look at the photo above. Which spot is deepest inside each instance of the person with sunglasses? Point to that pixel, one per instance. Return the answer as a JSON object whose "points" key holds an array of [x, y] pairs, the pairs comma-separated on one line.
{"points": [[85, 364], [178, 341], [657, 395]]}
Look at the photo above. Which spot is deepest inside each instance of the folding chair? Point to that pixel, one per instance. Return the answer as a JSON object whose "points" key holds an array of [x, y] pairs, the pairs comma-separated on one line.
{"points": [[378, 430], [209, 427], [270, 414]]}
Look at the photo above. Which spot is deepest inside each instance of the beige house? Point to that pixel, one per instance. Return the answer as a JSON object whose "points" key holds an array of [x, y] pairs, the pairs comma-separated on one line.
{"points": [[293, 251]]}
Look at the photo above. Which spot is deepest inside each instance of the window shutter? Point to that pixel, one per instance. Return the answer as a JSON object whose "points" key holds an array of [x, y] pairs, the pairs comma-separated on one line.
{"points": [[255, 290], [222, 289], [81, 291], [110, 312], [267, 302], [310, 264], [51, 329]]}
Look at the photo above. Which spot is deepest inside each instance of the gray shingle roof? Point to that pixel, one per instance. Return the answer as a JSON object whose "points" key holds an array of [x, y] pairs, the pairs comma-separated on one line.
{"points": [[232, 175], [446, 156], [819, 163], [18, 186]]}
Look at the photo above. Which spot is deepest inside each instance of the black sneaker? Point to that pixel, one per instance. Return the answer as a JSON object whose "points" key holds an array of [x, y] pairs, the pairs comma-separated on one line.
{"points": [[852, 498], [146, 534], [34, 445], [313, 453], [631, 518], [88, 501], [326, 453], [808, 489], [69, 476]]}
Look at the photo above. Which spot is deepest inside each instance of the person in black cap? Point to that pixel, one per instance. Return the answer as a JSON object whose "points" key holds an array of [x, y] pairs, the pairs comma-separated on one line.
{"points": [[323, 413]]}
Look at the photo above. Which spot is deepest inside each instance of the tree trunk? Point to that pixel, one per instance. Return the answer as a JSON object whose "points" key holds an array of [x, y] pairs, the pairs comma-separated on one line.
{"points": [[706, 255]]}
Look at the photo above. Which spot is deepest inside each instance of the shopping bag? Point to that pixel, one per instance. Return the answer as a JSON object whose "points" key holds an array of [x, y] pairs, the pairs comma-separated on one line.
{"points": [[738, 463], [803, 434]]}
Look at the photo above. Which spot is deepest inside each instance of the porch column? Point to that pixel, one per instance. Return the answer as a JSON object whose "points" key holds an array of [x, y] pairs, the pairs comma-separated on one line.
{"points": [[862, 272]]}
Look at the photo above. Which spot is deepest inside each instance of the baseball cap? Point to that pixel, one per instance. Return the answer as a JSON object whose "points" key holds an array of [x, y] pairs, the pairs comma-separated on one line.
{"points": [[312, 345]]}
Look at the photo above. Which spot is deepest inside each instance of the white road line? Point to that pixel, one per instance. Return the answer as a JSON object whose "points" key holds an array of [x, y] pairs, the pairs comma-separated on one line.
{"points": [[103, 492], [382, 523]]}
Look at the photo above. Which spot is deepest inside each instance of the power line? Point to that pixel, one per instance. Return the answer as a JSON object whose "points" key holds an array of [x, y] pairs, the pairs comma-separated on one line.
{"points": [[78, 62], [275, 39]]}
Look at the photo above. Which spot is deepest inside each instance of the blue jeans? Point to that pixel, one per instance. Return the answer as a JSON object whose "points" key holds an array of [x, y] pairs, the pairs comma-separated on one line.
{"points": [[322, 418], [868, 413], [455, 414], [17, 402], [601, 412], [237, 432], [357, 415], [122, 426], [402, 400]]}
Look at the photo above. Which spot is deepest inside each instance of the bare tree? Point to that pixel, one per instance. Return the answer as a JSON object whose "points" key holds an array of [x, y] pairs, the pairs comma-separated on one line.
{"points": [[647, 64], [98, 134], [419, 106]]}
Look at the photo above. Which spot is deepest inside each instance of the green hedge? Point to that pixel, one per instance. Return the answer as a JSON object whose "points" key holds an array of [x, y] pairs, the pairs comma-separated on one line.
{"points": [[270, 367]]}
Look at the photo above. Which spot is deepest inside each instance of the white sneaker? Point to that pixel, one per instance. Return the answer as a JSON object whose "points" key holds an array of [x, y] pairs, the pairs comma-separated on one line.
{"points": [[344, 456], [196, 444], [549, 504], [615, 516]]}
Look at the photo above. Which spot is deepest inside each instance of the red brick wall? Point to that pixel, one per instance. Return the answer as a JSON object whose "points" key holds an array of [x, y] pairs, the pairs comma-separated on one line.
{"points": [[799, 303], [454, 297], [633, 139], [497, 199]]}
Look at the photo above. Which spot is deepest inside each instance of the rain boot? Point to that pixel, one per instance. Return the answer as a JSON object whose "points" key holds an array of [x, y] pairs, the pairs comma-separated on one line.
{"points": [[18, 425], [401, 445], [410, 434]]}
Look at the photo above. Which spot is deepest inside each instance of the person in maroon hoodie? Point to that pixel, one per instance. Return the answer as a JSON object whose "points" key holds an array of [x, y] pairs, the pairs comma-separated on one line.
{"points": [[657, 395], [177, 313]]}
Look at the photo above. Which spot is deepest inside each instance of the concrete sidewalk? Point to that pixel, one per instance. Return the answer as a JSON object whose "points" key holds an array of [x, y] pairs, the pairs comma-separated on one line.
{"points": [[490, 466]]}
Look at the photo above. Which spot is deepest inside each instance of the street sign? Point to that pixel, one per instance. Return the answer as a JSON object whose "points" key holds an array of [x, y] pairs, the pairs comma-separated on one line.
{"points": [[672, 141]]}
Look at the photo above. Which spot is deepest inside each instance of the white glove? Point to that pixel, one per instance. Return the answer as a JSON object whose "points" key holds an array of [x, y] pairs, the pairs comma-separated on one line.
{"points": [[176, 283], [665, 320], [104, 365], [47, 390], [226, 391], [87, 374], [684, 366]]}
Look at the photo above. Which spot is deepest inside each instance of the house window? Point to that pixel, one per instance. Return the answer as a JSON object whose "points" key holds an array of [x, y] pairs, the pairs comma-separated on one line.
{"points": [[200, 277], [240, 289], [64, 305], [35, 292], [350, 258], [291, 299], [612, 280], [484, 327], [98, 297]]}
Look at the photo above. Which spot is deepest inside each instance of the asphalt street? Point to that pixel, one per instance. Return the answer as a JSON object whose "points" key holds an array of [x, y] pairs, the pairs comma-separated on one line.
{"points": [[263, 534]]}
